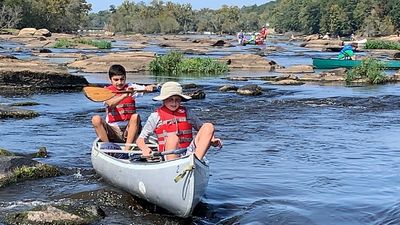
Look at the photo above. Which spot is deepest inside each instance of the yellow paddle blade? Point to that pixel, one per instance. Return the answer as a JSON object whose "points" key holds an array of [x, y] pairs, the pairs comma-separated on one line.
{"points": [[98, 94]]}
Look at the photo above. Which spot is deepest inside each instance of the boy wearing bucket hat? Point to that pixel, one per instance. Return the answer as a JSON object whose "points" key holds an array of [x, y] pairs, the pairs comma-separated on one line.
{"points": [[122, 123], [173, 124]]}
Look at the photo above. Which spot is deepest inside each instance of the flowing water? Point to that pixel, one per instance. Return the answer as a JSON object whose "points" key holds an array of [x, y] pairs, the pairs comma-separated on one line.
{"points": [[309, 154]]}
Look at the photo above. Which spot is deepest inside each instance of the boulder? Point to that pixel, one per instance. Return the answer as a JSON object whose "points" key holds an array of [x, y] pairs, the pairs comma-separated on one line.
{"points": [[42, 32], [250, 89], [27, 32]]}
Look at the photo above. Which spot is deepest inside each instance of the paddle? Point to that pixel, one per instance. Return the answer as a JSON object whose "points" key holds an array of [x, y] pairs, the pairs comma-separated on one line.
{"points": [[99, 94]]}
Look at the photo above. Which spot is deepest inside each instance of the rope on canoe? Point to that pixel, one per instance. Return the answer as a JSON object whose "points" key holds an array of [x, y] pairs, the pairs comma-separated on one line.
{"points": [[183, 173]]}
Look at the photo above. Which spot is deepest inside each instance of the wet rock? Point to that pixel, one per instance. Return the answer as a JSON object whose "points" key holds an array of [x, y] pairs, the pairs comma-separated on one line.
{"points": [[41, 153], [15, 169], [64, 214], [24, 104], [219, 43], [251, 89], [198, 94], [227, 88], [45, 50], [287, 82], [396, 55], [237, 78], [7, 57], [190, 86], [12, 112], [4, 152], [109, 198]]}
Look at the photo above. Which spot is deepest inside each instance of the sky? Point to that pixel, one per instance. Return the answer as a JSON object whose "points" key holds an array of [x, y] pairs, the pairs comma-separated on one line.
{"points": [[98, 5]]}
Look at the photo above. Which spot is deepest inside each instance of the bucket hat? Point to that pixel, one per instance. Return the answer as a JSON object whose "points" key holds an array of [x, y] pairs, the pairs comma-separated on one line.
{"points": [[169, 89]]}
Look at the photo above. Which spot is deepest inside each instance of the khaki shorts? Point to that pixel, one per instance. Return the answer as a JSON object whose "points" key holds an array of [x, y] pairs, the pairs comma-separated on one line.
{"points": [[116, 133]]}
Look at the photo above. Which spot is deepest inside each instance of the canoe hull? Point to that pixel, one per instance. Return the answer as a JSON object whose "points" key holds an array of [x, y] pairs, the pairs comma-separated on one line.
{"points": [[154, 182], [320, 63]]}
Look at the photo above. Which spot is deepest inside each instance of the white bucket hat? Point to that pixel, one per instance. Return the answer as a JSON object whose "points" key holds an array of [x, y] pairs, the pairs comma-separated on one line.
{"points": [[169, 89]]}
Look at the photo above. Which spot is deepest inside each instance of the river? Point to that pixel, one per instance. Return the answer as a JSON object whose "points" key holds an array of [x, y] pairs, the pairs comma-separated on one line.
{"points": [[310, 154]]}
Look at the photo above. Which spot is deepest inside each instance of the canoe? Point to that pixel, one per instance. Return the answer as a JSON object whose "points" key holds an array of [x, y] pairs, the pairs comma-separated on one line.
{"points": [[320, 63], [175, 185]]}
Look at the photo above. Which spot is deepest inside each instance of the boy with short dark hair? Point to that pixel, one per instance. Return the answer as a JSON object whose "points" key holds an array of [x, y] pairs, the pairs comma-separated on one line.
{"points": [[122, 123]]}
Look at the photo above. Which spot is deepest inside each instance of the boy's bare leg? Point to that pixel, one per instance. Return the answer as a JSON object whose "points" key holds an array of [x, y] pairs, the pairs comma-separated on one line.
{"points": [[97, 123], [133, 128], [203, 140], [171, 143]]}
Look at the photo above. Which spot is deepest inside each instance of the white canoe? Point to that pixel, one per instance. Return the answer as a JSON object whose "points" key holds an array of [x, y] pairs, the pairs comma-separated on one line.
{"points": [[175, 185]]}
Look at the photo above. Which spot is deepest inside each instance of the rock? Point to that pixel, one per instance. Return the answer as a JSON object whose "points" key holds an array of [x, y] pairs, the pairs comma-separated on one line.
{"points": [[15, 169], [36, 75], [248, 62], [27, 32], [219, 43], [287, 82], [250, 89], [45, 50], [12, 112], [396, 55], [297, 69], [227, 88], [109, 33], [42, 32], [57, 215], [286, 77], [132, 61], [189, 86], [42, 152], [310, 77], [198, 94], [237, 78]]}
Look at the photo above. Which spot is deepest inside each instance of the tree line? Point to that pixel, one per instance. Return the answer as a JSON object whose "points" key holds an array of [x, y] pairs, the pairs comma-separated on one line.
{"points": [[340, 17]]}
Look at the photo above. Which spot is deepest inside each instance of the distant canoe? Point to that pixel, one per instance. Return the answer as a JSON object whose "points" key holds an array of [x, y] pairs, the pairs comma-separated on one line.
{"points": [[320, 63]]}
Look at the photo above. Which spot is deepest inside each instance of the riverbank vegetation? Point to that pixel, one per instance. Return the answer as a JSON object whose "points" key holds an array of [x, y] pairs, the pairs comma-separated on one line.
{"points": [[371, 70], [363, 17], [382, 44], [175, 63], [66, 43]]}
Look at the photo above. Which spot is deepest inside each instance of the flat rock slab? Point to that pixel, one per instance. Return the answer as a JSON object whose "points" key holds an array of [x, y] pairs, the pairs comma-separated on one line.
{"points": [[34, 74], [132, 61]]}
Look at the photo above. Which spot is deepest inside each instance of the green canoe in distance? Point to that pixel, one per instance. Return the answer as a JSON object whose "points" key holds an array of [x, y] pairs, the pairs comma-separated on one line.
{"points": [[320, 63]]}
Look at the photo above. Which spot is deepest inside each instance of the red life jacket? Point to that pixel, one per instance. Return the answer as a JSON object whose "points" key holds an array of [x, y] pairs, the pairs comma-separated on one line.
{"points": [[124, 110], [176, 123]]}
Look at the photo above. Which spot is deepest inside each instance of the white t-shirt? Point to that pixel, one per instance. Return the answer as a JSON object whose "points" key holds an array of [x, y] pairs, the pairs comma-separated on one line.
{"points": [[154, 119]]}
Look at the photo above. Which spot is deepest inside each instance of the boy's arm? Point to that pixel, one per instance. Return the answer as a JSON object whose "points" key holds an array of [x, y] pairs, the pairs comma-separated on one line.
{"points": [[112, 102]]}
